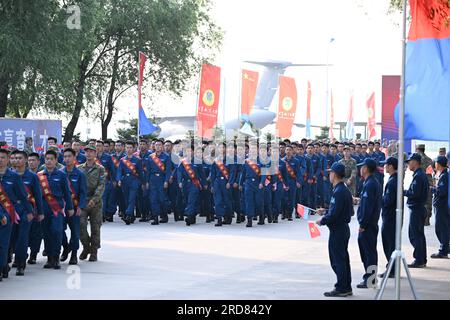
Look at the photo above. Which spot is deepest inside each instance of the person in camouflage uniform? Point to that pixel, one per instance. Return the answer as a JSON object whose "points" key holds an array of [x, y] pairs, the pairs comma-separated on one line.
{"points": [[95, 177], [350, 170], [426, 162]]}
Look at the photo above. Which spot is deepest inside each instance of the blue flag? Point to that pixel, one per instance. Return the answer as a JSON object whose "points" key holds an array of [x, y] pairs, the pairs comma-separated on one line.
{"points": [[145, 126]]}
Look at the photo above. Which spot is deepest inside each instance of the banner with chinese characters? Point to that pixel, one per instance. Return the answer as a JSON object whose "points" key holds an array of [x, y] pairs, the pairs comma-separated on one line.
{"points": [[14, 132]]}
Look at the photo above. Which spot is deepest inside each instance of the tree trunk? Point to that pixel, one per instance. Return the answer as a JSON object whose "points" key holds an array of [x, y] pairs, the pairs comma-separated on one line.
{"points": [[70, 129], [31, 88], [112, 89], [4, 90]]}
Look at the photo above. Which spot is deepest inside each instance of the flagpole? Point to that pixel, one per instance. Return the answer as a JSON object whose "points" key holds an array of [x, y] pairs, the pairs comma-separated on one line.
{"points": [[139, 97]]}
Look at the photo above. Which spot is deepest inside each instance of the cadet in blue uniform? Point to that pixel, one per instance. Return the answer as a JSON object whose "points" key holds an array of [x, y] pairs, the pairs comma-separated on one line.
{"points": [[142, 204], [206, 197], [316, 170], [57, 197], [293, 181], [299, 155], [80, 158], [238, 193], [388, 212], [159, 170], [328, 162], [265, 160], [252, 180], [78, 189], [191, 179], [368, 215], [222, 177], [337, 219], [118, 198], [129, 177], [22, 230], [322, 164], [279, 185], [381, 157], [307, 177], [417, 197], [440, 203], [106, 161], [174, 194]]}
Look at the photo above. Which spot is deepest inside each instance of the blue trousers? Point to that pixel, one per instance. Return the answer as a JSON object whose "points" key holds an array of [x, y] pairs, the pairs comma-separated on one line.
{"points": [[21, 239], [319, 193], [339, 258], [267, 200], [206, 202], [305, 194], [223, 203], [191, 196], [291, 197], [157, 196], [109, 203], [242, 200], [36, 235], [5, 235], [327, 189], [313, 195], [130, 187], [253, 203], [367, 243], [277, 197], [441, 228], [74, 225], [388, 234], [118, 199], [417, 235], [236, 194], [53, 233]]}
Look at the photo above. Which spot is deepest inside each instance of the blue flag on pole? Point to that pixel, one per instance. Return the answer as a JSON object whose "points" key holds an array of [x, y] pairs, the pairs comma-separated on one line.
{"points": [[145, 125], [427, 78]]}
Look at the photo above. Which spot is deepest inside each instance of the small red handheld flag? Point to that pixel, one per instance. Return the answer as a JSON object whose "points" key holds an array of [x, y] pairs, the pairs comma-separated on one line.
{"points": [[301, 210], [313, 230]]}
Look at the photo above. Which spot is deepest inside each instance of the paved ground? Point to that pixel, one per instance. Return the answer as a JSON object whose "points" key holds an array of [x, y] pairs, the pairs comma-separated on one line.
{"points": [[203, 262]]}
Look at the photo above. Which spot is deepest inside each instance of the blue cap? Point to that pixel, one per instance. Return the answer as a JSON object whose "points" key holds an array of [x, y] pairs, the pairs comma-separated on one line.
{"points": [[442, 161], [338, 168], [415, 156], [370, 163], [390, 161]]}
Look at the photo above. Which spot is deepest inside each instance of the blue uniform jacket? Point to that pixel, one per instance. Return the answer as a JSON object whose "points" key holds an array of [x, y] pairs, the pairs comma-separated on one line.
{"points": [[440, 192], [59, 187], [295, 165], [13, 184], [124, 171], [341, 207], [197, 166], [107, 162], [216, 173], [250, 177], [390, 197], [79, 183], [31, 180], [370, 205], [417, 193], [153, 169]]}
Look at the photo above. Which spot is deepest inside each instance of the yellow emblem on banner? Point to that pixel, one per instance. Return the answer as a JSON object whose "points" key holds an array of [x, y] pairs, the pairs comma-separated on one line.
{"points": [[287, 104], [209, 98]]}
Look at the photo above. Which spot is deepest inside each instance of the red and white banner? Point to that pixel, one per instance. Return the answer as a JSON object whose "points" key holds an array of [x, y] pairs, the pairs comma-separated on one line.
{"points": [[248, 93], [287, 107], [371, 116]]}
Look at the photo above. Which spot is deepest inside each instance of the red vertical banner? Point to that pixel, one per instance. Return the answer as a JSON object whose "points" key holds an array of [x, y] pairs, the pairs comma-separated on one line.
{"points": [[331, 134], [142, 60], [248, 91], [287, 106], [371, 116], [390, 97], [308, 111], [208, 100]]}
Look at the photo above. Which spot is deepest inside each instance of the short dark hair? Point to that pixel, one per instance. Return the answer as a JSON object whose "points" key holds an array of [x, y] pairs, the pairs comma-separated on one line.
{"points": [[129, 142], [71, 151], [304, 140], [23, 153], [5, 151], [52, 138], [34, 154], [371, 143], [143, 141], [51, 153], [28, 139], [158, 140], [100, 141], [120, 141], [168, 141]]}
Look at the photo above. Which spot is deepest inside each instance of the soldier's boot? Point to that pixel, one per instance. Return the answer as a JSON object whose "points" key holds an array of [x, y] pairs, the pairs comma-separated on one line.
{"points": [[208, 218], [255, 218], [275, 218], [188, 220], [269, 218], [164, 219], [44, 253], [238, 218], [65, 253], [56, 264], [93, 256], [50, 262], [228, 219], [109, 218], [194, 220], [73, 258], [5, 271], [155, 221], [143, 219], [32, 259], [249, 222], [261, 219], [289, 216], [127, 220], [427, 221], [219, 222], [20, 268], [84, 254]]}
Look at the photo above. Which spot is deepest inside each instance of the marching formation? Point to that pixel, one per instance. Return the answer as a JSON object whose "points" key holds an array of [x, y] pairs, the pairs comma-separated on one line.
{"points": [[69, 187]]}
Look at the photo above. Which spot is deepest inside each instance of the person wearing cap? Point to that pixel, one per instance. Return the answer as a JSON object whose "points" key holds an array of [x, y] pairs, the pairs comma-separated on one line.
{"points": [[417, 197], [337, 218], [388, 212], [440, 203], [427, 163], [368, 215], [442, 152], [350, 170], [95, 179], [78, 188]]}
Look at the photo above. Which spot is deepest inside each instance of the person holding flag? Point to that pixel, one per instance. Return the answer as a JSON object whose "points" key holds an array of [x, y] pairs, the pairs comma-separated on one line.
{"points": [[78, 189], [337, 218]]}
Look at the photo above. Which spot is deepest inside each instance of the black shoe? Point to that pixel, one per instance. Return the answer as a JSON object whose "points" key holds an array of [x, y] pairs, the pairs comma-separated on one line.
{"points": [[20, 269], [65, 254], [73, 258], [84, 254], [188, 221], [14, 264], [109, 219], [155, 222], [255, 218], [32, 259], [362, 285], [337, 294], [219, 222], [439, 256], [238, 219], [56, 264], [104, 220], [269, 219], [50, 263], [382, 275], [249, 223], [416, 265], [208, 219], [5, 271], [164, 220], [261, 220], [144, 219], [127, 220], [275, 220]]}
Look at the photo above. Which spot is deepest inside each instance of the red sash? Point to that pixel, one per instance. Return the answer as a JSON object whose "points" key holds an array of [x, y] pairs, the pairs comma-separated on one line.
{"points": [[280, 177], [30, 196], [223, 169], [254, 167], [48, 196], [8, 205], [158, 162], [75, 200], [191, 173], [130, 165], [115, 161], [291, 171]]}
